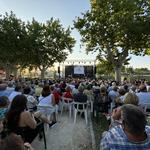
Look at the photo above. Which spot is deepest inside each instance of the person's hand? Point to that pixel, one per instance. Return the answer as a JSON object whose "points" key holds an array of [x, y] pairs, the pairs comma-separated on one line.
{"points": [[28, 146], [116, 114]]}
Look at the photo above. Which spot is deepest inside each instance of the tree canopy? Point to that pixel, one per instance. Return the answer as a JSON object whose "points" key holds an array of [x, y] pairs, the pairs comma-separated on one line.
{"points": [[12, 39], [33, 44], [49, 43], [115, 29]]}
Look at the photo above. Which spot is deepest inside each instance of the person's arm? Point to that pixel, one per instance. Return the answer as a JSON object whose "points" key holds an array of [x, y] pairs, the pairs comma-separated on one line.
{"points": [[29, 119], [28, 146], [34, 101], [104, 144]]}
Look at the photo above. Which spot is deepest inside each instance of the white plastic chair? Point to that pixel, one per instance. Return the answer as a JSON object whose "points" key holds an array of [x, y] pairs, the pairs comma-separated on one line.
{"points": [[91, 102], [48, 111], [76, 110], [68, 102], [145, 106]]}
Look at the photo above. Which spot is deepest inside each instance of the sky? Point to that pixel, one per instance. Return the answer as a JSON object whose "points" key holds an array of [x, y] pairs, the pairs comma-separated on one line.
{"points": [[66, 11]]}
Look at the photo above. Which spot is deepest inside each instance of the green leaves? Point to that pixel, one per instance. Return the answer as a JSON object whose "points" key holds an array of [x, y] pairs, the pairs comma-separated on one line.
{"points": [[33, 44], [12, 33], [116, 28], [51, 42]]}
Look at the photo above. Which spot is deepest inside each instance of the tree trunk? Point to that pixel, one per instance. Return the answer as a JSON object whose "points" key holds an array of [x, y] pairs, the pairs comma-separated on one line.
{"points": [[15, 71], [8, 72], [42, 73], [118, 74]]}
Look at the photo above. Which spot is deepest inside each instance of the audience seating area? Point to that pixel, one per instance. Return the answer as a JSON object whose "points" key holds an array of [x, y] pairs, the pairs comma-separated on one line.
{"points": [[102, 97]]}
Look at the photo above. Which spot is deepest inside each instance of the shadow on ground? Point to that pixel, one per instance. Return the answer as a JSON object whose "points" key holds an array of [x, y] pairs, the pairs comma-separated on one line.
{"points": [[100, 124], [66, 135]]}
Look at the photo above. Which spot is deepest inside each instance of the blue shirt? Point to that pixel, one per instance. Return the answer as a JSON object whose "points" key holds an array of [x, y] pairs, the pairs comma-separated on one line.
{"points": [[116, 139], [5, 93], [144, 97]]}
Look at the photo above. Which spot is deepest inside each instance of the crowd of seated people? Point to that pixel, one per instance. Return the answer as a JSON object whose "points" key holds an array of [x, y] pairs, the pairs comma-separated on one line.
{"points": [[102, 93], [19, 113]]}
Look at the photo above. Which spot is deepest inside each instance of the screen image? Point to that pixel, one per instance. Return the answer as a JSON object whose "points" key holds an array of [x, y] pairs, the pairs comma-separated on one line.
{"points": [[79, 70]]}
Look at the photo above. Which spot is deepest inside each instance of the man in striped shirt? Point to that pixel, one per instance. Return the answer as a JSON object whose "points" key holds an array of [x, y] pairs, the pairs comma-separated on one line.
{"points": [[131, 134]]}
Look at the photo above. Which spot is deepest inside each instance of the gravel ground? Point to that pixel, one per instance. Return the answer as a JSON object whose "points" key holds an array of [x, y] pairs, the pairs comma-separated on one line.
{"points": [[66, 135]]}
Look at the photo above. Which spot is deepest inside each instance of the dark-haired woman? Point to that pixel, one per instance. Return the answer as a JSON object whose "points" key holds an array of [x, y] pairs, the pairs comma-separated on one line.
{"points": [[47, 99], [21, 121]]}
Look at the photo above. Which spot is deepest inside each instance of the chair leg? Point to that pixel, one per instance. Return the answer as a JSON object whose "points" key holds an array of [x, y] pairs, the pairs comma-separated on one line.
{"points": [[85, 114], [44, 137], [70, 109], [91, 106], [49, 118], [57, 118], [56, 112], [75, 116], [62, 108]]}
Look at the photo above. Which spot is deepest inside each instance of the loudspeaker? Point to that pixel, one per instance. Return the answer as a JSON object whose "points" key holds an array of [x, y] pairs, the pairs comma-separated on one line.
{"points": [[94, 69], [58, 69]]}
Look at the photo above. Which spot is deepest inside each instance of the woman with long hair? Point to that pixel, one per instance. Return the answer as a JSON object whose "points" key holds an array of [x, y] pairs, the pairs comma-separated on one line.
{"points": [[20, 120], [47, 99]]}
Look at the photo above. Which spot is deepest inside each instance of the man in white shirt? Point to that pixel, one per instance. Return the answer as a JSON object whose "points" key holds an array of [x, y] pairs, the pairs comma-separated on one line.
{"points": [[17, 91], [143, 95]]}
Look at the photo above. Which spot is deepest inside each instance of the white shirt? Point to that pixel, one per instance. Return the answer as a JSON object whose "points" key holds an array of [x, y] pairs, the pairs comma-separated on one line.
{"points": [[144, 97], [45, 100]]}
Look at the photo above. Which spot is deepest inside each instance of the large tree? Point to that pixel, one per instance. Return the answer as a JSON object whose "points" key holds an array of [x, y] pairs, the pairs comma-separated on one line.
{"points": [[12, 41], [48, 43], [116, 28], [104, 67]]}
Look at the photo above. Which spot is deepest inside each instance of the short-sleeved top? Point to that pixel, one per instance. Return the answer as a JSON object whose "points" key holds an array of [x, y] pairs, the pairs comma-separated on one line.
{"points": [[45, 100]]}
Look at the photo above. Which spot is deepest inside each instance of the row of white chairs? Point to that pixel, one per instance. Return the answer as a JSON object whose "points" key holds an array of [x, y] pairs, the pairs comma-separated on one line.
{"points": [[66, 102], [74, 106]]}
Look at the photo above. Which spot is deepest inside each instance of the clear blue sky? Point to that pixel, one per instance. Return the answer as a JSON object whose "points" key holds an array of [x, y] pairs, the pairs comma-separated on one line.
{"points": [[66, 11]]}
